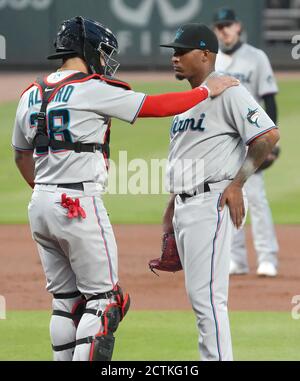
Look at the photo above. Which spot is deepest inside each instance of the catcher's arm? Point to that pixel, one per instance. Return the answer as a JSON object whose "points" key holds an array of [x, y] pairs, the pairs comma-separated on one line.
{"points": [[176, 103], [25, 163]]}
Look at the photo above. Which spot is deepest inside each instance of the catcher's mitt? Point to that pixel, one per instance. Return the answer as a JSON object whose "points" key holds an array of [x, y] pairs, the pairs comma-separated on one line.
{"points": [[169, 260], [270, 159]]}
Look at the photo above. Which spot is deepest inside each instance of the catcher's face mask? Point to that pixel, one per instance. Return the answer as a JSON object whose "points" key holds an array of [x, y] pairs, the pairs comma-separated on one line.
{"points": [[98, 42], [110, 64]]}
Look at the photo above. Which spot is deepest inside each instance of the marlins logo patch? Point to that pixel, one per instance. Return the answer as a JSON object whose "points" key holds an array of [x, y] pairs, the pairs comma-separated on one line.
{"points": [[253, 116]]}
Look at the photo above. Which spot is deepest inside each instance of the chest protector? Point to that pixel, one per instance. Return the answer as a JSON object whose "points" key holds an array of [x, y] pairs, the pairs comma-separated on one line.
{"points": [[47, 90]]}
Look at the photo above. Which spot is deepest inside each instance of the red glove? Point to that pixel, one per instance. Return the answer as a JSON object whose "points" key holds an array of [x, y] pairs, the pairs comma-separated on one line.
{"points": [[169, 260]]}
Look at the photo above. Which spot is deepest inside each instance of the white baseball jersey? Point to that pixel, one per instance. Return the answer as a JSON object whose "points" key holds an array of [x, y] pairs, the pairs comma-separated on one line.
{"points": [[214, 133], [252, 67], [78, 112]]}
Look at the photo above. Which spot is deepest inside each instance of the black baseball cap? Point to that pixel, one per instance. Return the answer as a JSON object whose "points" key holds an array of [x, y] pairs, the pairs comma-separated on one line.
{"points": [[224, 15], [194, 36]]}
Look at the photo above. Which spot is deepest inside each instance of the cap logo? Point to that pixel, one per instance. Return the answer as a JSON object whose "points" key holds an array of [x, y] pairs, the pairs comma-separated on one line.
{"points": [[202, 44], [223, 14], [178, 33]]}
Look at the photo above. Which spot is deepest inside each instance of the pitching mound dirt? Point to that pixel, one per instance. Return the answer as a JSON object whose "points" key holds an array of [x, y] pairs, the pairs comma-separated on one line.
{"points": [[22, 280]]}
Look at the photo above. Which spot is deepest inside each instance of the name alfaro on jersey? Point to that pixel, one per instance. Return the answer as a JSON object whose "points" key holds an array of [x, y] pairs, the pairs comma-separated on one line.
{"points": [[63, 95]]}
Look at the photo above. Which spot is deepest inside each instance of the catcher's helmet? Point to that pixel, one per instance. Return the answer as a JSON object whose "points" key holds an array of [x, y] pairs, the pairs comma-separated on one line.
{"points": [[87, 39]]}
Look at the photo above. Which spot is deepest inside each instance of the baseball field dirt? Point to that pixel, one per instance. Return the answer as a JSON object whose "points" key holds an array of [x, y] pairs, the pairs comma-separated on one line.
{"points": [[22, 281]]}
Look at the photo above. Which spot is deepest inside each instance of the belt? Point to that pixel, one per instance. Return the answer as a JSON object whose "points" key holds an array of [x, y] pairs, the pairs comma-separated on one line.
{"points": [[77, 146], [206, 188], [76, 186]]}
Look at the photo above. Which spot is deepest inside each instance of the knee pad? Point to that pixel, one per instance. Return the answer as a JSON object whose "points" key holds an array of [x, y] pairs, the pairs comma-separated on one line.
{"points": [[102, 344], [77, 309], [102, 350], [123, 301], [65, 306]]}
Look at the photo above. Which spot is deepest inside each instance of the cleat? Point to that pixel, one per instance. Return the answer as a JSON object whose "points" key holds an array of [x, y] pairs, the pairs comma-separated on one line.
{"points": [[266, 269], [235, 269]]}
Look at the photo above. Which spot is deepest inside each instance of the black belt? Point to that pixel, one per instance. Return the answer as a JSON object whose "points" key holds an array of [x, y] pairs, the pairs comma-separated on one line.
{"points": [[76, 186], [77, 146], [206, 188]]}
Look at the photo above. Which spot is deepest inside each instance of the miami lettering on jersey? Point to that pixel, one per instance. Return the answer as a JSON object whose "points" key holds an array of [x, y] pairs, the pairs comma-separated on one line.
{"points": [[181, 125], [63, 95]]}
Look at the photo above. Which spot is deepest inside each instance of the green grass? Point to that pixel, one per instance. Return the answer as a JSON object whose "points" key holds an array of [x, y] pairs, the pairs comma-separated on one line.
{"points": [[160, 335], [147, 139]]}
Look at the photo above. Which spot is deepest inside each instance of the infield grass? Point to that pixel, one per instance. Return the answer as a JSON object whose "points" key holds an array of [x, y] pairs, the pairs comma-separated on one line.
{"points": [[160, 335], [147, 139]]}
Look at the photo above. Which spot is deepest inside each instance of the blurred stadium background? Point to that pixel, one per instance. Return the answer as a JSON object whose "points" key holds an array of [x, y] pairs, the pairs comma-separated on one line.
{"points": [[29, 27]]}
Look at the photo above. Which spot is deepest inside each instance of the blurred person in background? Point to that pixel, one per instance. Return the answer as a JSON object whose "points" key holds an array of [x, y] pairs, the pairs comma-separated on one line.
{"points": [[252, 67]]}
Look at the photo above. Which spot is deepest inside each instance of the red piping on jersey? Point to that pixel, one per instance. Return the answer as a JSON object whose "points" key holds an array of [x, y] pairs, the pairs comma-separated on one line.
{"points": [[104, 241], [172, 103], [250, 141]]}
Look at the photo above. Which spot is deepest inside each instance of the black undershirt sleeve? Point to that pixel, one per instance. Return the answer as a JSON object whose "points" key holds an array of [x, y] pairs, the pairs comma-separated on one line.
{"points": [[270, 106]]}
